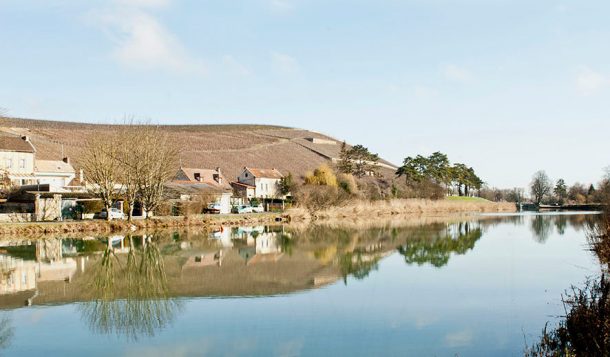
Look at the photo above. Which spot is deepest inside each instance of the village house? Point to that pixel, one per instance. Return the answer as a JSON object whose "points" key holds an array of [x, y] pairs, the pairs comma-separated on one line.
{"points": [[17, 156], [18, 162], [58, 174], [258, 183], [191, 182]]}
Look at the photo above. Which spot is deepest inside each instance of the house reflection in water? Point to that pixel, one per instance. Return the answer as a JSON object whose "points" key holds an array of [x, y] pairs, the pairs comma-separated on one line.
{"points": [[261, 244], [25, 264]]}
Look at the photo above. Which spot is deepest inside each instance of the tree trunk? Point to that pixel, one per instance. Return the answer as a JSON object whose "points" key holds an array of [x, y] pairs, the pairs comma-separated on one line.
{"points": [[130, 213], [107, 206]]}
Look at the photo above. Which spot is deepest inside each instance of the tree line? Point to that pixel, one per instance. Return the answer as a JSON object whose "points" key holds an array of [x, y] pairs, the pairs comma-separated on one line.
{"points": [[435, 173], [545, 191]]}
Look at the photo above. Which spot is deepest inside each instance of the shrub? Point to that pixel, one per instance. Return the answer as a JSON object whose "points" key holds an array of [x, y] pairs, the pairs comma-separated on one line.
{"points": [[347, 182], [322, 176], [316, 198], [92, 206]]}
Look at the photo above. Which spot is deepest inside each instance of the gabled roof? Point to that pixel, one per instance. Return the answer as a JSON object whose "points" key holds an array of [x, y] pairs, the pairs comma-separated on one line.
{"points": [[206, 176], [264, 173], [15, 144], [53, 166]]}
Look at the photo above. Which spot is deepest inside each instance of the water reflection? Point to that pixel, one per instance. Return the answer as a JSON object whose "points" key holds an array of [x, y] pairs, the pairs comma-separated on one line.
{"points": [[6, 331], [542, 226], [436, 246], [135, 286], [130, 290]]}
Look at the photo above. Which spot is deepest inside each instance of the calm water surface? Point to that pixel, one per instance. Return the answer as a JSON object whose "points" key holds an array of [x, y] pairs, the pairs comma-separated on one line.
{"points": [[472, 288]]}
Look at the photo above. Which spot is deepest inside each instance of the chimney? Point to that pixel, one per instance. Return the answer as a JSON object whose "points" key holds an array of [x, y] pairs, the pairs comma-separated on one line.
{"points": [[66, 160], [217, 176], [81, 176]]}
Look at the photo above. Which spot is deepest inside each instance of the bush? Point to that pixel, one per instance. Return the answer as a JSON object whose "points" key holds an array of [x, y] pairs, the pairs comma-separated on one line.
{"points": [[92, 206], [347, 182], [322, 176], [316, 198], [165, 209]]}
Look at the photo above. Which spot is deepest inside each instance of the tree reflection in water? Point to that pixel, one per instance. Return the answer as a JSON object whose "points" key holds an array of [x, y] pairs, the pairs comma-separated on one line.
{"points": [[131, 298], [436, 246], [542, 228], [6, 332]]}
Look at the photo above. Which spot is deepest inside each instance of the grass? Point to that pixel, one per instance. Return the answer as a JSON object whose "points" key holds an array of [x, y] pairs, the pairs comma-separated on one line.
{"points": [[367, 209]]}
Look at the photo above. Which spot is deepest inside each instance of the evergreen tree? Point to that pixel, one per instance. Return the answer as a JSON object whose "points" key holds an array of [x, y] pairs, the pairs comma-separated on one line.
{"points": [[345, 163], [561, 191]]}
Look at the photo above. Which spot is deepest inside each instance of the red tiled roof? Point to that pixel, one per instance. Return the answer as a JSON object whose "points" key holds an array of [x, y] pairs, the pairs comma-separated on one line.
{"points": [[265, 173], [206, 177]]}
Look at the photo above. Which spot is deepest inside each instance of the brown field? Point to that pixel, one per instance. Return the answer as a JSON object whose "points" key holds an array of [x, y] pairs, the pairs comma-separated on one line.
{"points": [[230, 147]]}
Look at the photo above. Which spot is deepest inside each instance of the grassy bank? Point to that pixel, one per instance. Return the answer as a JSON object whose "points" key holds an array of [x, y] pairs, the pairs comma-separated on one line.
{"points": [[403, 207]]}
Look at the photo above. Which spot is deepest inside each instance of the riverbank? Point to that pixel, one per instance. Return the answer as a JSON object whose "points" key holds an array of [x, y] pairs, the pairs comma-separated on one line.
{"points": [[210, 222], [401, 207], [354, 211]]}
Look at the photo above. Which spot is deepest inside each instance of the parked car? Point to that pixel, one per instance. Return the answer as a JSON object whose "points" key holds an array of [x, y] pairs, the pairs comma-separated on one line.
{"points": [[212, 208], [243, 209], [258, 209], [115, 213]]}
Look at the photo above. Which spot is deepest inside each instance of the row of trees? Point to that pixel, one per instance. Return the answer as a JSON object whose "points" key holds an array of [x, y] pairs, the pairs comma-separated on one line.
{"points": [[544, 190], [437, 170], [133, 164]]}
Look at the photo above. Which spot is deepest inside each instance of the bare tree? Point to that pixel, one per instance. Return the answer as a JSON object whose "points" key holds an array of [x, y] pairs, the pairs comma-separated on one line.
{"points": [[540, 187], [102, 169], [159, 158], [131, 168]]}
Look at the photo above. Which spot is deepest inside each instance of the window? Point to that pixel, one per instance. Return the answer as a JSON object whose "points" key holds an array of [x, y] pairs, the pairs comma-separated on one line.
{"points": [[9, 163], [22, 163]]}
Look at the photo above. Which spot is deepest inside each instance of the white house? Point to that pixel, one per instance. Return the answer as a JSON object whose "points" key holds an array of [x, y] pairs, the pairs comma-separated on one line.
{"points": [[264, 181], [17, 156], [18, 161], [56, 173]]}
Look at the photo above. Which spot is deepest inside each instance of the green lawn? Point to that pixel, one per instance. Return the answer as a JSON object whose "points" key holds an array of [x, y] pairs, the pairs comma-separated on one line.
{"points": [[466, 199]]}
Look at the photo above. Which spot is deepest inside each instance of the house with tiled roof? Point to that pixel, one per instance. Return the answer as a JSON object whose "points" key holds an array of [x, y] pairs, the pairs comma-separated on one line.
{"points": [[57, 173], [189, 183], [212, 178], [17, 156], [18, 161], [265, 182]]}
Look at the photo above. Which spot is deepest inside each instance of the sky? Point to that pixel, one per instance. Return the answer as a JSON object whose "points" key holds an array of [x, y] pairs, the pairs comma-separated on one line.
{"points": [[507, 87]]}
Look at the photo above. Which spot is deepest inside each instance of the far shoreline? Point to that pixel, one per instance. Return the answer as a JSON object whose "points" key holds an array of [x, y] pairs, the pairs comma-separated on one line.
{"points": [[354, 211]]}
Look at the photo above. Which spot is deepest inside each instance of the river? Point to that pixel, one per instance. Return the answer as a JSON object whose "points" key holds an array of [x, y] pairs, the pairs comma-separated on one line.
{"points": [[479, 286]]}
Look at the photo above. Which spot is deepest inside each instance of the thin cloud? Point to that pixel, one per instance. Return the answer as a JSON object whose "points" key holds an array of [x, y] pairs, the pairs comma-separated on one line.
{"points": [[284, 63], [144, 3], [456, 73], [589, 81], [234, 66], [142, 42]]}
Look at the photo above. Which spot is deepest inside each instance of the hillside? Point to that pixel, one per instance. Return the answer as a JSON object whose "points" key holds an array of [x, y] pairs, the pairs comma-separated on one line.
{"points": [[230, 147]]}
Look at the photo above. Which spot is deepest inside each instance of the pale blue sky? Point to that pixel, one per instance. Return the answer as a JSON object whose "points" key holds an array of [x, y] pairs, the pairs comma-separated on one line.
{"points": [[508, 87]]}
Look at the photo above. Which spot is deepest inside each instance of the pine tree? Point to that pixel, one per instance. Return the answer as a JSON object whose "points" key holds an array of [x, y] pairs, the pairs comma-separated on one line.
{"points": [[345, 163]]}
